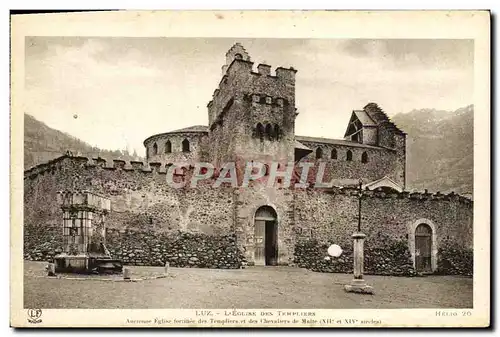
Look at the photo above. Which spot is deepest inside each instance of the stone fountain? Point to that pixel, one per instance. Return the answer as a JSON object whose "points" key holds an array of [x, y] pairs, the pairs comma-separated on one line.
{"points": [[84, 234]]}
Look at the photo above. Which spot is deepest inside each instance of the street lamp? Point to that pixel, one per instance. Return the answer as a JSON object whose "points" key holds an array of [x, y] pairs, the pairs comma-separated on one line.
{"points": [[358, 284], [360, 196]]}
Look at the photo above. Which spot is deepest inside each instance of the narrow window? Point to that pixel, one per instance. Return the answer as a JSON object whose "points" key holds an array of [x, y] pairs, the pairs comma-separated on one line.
{"points": [[277, 131], [364, 157], [334, 154], [168, 147], [155, 149], [260, 131], [185, 145], [319, 153], [348, 155]]}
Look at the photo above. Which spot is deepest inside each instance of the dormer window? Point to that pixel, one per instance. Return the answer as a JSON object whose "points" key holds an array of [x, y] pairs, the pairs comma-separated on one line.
{"points": [[238, 56]]}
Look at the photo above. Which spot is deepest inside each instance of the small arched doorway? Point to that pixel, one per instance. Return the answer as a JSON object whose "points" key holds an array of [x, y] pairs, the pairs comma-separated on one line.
{"points": [[423, 248], [266, 237]]}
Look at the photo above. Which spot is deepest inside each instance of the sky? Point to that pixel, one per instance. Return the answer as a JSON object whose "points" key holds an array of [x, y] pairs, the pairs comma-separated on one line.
{"points": [[114, 92]]}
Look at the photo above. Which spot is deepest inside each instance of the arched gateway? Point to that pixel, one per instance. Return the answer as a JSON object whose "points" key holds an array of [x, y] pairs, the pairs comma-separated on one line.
{"points": [[266, 237]]}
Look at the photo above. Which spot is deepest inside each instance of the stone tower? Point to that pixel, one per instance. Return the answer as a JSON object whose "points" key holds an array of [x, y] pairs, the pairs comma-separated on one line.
{"points": [[252, 114]]}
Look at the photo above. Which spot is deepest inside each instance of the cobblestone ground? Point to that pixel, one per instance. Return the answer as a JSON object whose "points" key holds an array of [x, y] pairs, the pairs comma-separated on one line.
{"points": [[254, 287]]}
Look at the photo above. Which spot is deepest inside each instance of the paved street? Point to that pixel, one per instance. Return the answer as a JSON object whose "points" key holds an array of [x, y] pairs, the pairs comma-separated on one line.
{"points": [[254, 287]]}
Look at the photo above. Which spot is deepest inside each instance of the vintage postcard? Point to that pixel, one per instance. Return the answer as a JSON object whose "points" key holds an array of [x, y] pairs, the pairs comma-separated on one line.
{"points": [[250, 169]]}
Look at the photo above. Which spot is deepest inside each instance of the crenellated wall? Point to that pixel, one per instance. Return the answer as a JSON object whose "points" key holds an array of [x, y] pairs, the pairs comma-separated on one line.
{"points": [[139, 193], [245, 98]]}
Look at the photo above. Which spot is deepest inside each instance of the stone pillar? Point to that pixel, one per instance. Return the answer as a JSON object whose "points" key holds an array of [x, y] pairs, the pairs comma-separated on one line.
{"points": [[126, 274], [51, 269], [166, 268], [358, 284]]}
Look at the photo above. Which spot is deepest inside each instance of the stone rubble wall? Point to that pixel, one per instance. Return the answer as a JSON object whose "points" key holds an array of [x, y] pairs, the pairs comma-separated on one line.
{"points": [[146, 248], [383, 256], [141, 202]]}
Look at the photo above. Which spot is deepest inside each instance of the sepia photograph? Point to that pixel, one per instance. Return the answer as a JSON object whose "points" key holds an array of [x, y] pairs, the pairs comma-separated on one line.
{"points": [[248, 180]]}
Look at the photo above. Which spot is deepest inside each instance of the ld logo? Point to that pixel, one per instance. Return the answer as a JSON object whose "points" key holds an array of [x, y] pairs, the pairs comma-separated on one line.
{"points": [[34, 315]]}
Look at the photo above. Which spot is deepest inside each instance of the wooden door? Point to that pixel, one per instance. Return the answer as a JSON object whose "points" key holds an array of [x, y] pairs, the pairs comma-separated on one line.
{"points": [[259, 241], [271, 243], [423, 248]]}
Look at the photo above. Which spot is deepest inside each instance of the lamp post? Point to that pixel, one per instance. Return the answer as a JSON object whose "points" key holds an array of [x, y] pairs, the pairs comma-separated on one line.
{"points": [[358, 284]]}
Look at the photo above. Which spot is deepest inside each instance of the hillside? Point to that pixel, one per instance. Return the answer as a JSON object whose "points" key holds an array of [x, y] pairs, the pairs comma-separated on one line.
{"points": [[439, 149], [42, 143]]}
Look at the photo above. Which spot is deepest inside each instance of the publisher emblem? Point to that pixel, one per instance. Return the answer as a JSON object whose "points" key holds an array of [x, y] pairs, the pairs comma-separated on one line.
{"points": [[34, 315]]}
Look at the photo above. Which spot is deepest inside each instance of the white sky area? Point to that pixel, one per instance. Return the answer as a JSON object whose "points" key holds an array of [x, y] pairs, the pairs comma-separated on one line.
{"points": [[126, 89]]}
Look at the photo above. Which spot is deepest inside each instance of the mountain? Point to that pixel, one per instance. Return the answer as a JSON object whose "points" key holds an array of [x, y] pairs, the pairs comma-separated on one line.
{"points": [[439, 149], [42, 143]]}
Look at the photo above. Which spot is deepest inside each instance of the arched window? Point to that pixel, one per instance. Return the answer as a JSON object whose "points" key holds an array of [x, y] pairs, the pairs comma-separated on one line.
{"points": [[260, 131], [364, 157], [334, 154], [277, 131], [155, 149], [168, 147], [238, 56], [269, 131], [319, 153], [185, 145], [348, 155]]}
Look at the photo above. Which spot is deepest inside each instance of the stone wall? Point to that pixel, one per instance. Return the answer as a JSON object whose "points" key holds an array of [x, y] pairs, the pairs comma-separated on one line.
{"points": [[381, 162], [320, 215], [149, 248], [140, 197], [142, 201], [145, 248], [382, 256], [196, 144]]}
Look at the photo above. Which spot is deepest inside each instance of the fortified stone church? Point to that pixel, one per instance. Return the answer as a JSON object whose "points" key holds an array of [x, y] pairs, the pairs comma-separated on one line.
{"points": [[252, 117]]}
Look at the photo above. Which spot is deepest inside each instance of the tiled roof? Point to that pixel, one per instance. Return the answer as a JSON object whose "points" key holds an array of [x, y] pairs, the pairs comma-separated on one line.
{"points": [[334, 142], [364, 118], [194, 128]]}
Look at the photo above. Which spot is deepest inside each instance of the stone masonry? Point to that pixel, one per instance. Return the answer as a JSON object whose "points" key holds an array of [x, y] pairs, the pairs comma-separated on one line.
{"points": [[252, 117]]}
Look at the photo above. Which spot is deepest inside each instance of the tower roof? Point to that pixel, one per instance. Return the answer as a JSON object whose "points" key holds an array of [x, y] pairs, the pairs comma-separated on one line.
{"points": [[379, 116], [237, 48]]}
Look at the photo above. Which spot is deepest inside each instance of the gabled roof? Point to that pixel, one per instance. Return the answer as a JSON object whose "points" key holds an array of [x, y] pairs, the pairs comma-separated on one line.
{"points": [[364, 118], [383, 182], [372, 185], [379, 116]]}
